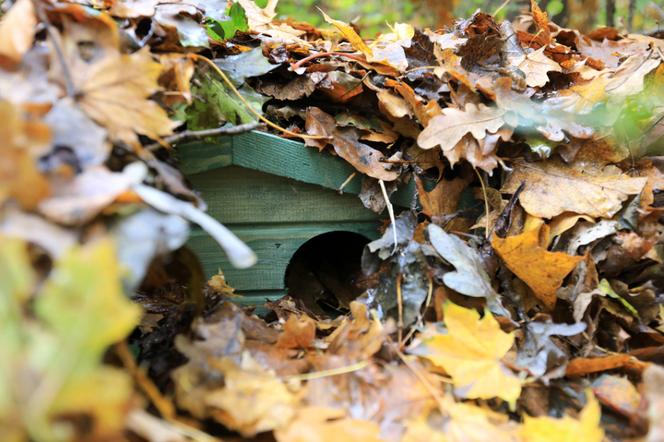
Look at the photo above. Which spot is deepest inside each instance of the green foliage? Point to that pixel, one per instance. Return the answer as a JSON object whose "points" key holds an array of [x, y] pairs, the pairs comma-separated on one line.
{"points": [[216, 104], [223, 30]]}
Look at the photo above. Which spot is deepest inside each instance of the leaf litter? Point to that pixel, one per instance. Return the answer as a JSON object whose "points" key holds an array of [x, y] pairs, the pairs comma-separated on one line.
{"points": [[518, 299]]}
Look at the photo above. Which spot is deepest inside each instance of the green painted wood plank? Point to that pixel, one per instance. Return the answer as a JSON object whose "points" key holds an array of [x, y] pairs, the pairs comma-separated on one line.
{"points": [[278, 156], [201, 156], [273, 244], [235, 195]]}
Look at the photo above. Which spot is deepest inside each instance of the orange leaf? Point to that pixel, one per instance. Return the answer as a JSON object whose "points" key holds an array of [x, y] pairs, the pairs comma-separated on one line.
{"points": [[542, 270], [541, 19], [299, 332], [583, 366]]}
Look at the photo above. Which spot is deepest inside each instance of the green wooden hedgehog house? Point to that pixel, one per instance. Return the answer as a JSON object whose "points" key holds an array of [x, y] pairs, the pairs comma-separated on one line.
{"points": [[277, 195]]}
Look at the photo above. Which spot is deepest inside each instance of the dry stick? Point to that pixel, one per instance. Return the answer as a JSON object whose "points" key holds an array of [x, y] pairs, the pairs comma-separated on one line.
{"points": [[505, 3], [196, 134], [400, 311], [390, 210], [327, 373], [163, 405], [66, 73], [345, 183], [425, 382], [237, 93], [307, 59], [486, 203]]}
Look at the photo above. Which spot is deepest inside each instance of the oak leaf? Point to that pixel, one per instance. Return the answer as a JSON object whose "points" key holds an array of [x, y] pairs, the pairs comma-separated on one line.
{"points": [[542, 270], [448, 129], [552, 188], [536, 65], [471, 353], [566, 429]]}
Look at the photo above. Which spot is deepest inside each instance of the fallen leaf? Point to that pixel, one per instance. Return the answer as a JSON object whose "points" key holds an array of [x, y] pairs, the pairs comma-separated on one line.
{"points": [[542, 270], [464, 422], [349, 34], [319, 424], [471, 353], [619, 394], [299, 332], [252, 400], [536, 65], [470, 277], [552, 188], [17, 31], [653, 380], [23, 141], [114, 89], [628, 78], [583, 366], [448, 129], [84, 197], [346, 144], [541, 19], [566, 429]]}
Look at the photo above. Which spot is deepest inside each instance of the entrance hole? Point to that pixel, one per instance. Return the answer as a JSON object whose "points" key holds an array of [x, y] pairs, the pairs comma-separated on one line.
{"points": [[325, 272]]}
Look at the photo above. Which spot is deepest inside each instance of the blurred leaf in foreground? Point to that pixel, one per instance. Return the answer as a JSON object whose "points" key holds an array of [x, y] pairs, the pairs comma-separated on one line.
{"points": [[56, 351]]}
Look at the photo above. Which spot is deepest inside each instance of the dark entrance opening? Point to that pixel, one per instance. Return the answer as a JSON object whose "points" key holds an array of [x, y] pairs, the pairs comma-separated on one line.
{"points": [[325, 272]]}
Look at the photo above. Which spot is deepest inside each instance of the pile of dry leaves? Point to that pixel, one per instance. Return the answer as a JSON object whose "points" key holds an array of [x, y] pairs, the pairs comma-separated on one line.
{"points": [[519, 299]]}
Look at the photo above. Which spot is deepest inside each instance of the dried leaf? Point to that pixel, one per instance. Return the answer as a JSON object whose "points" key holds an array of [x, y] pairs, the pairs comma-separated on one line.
{"points": [[448, 129], [536, 65], [349, 34], [542, 270], [552, 188], [471, 353], [346, 144], [319, 424], [17, 31]]}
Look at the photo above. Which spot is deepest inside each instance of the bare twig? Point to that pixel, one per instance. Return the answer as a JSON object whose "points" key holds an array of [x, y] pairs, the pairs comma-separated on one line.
{"points": [[197, 134], [390, 210], [345, 183], [55, 40]]}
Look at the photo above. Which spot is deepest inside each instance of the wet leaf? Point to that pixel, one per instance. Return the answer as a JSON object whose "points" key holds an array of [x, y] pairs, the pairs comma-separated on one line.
{"points": [[470, 277]]}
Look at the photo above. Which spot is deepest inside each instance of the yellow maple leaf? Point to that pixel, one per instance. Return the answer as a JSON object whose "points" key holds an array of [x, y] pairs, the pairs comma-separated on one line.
{"points": [[542, 270], [471, 353], [567, 429], [462, 423], [320, 424]]}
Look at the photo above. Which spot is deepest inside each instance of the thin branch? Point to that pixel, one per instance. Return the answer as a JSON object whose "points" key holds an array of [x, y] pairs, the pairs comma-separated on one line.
{"points": [[197, 134], [53, 36]]}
